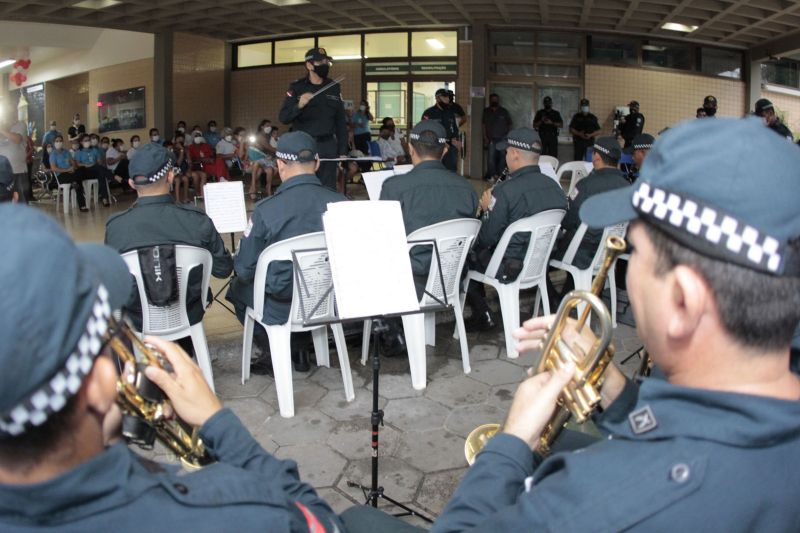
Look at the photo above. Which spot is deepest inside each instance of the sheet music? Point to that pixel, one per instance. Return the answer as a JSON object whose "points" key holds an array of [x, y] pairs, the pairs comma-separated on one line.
{"points": [[402, 169], [369, 259], [315, 280], [225, 206], [374, 182]]}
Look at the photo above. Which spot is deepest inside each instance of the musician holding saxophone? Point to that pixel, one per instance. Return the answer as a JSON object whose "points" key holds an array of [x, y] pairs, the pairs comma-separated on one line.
{"points": [[62, 464], [714, 280]]}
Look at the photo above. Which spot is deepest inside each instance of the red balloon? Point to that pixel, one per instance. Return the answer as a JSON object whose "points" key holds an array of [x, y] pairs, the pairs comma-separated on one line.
{"points": [[25, 63]]}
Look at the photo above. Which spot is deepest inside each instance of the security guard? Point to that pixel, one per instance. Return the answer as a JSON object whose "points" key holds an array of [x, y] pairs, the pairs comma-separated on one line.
{"points": [[710, 106], [547, 122], [156, 219], [584, 127], [714, 445], [63, 464], [321, 116], [638, 151], [445, 113], [766, 111], [295, 209], [526, 192], [632, 124]]}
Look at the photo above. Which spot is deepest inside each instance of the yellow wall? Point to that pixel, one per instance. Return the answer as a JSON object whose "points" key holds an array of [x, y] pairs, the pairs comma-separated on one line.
{"points": [[64, 98], [198, 81], [118, 77]]}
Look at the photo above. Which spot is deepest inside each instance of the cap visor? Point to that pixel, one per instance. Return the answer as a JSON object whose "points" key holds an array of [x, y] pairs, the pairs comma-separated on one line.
{"points": [[502, 145], [110, 270], [608, 208]]}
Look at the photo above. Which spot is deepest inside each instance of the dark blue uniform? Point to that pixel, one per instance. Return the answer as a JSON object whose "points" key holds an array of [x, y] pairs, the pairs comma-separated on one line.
{"points": [[323, 118], [447, 117], [295, 209], [247, 489], [585, 124], [633, 126], [676, 459], [154, 220], [548, 132]]}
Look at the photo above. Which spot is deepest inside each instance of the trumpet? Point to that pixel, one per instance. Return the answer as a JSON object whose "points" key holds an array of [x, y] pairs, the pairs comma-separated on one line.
{"points": [[145, 408], [581, 395]]}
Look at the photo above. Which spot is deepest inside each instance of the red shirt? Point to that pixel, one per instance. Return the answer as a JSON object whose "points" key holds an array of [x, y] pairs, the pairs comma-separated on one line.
{"points": [[201, 153]]}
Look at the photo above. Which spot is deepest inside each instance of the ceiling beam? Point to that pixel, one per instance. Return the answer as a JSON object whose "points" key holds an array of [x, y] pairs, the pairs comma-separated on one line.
{"points": [[544, 12], [460, 8], [413, 5], [671, 15], [587, 8], [632, 7], [380, 10], [756, 24]]}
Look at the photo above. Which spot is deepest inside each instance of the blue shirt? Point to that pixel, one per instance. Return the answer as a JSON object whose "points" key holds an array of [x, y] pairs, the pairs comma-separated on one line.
{"points": [[100, 154], [86, 156], [360, 123], [212, 138], [50, 137], [61, 159]]}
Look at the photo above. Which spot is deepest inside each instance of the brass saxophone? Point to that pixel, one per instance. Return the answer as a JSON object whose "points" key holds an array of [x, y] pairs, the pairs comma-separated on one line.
{"points": [[581, 395], [147, 413]]}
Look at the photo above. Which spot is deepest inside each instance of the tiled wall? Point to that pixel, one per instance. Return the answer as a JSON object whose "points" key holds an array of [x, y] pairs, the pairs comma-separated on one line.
{"points": [[123, 76], [198, 79], [64, 98], [258, 93], [463, 83], [666, 98], [788, 107]]}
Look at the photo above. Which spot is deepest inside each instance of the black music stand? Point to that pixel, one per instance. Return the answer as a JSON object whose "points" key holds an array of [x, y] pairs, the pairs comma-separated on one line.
{"points": [[374, 491]]}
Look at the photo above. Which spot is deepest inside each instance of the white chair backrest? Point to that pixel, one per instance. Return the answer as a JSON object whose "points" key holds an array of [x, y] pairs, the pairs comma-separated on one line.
{"points": [[454, 239], [173, 318], [316, 270], [541, 226], [549, 159], [569, 256], [577, 171], [548, 171]]}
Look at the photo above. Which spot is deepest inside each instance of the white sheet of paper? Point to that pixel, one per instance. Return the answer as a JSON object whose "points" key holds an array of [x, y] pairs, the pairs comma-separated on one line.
{"points": [[548, 170], [370, 265], [402, 169], [374, 182], [225, 206]]}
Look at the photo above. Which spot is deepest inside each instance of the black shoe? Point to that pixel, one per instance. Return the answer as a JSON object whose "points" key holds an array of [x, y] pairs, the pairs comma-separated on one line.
{"points": [[480, 322], [262, 366], [393, 344], [300, 361]]}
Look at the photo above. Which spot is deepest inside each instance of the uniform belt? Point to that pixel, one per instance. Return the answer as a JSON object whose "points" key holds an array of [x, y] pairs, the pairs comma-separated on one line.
{"points": [[323, 138]]}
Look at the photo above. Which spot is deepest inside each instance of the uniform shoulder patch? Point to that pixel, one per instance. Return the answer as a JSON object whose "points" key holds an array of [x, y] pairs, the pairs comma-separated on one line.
{"points": [[642, 420]]}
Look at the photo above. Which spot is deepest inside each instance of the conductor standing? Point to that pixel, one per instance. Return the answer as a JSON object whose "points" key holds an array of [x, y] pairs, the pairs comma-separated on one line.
{"points": [[321, 116]]}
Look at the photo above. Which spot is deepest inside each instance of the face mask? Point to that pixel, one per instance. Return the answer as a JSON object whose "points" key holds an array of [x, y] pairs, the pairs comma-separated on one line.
{"points": [[267, 129], [86, 144], [585, 109], [52, 128], [632, 110], [494, 103], [104, 146], [229, 138], [94, 142], [362, 108], [155, 138], [198, 140], [212, 129], [77, 122], [548, 105], [322, 70], [59, 145], [196, 132], [135, 144], [50, 149], [181, 129], [710, 111]]}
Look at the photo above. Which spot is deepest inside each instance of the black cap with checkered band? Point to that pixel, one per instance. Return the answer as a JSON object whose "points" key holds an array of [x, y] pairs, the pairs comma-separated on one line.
{"points": [[608, 146], [523, 139], [428, 132], [705, 183], [53, 326], [151, 163], [296, 146]]}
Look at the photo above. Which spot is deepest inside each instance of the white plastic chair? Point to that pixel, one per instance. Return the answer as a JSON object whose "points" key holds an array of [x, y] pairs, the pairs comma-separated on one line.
{"points": [[583, 277], [543, 228], [92, 190], [552, 161], [172, 322], [280, 335], [578, 171], [454, 239], [67, 193]]}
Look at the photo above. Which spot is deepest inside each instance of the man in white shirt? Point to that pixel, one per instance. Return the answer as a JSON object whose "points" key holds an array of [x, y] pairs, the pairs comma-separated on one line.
{"points": [[391, 148]]}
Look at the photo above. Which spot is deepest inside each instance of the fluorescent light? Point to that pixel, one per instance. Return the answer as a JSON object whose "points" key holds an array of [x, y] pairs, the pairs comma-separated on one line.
{"points": [[674, 26], [347, 57], [653, 48], [436, 44], [7, 62], [96, 4], [284, 3]]}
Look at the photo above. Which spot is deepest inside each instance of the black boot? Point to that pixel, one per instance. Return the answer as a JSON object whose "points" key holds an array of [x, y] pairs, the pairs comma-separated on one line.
{"points": [[300, 361], [261, 365], [480, 322]]}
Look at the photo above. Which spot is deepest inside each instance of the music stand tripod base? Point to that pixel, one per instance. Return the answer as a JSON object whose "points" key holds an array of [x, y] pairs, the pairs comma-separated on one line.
{"points": [[374, 492]]}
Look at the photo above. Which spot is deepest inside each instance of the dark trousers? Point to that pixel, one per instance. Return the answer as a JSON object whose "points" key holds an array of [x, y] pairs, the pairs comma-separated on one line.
{"points": [[77, 184], [450, 159], [579, 149], [22, 184], [550, 146], [478, 260], [327, 169], [495, 160], [101, 174]]}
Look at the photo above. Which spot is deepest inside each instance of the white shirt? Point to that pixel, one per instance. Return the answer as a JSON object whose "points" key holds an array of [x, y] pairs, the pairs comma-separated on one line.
{"points": [[226, 148], [15, 152], [113, 153], [390, 148]]}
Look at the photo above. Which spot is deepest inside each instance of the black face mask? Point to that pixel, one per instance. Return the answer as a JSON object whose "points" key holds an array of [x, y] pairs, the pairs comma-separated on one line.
{"points": [[710, 111], [322, 70], [494, 104]]}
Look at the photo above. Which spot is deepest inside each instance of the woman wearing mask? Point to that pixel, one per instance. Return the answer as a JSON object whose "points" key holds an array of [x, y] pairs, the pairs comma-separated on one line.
{"points": [[226, 153], [201, 158], [88, 166], [180, 129], [361, 120], [263, 157], [117, 163], [135, 142], [63, 167]]}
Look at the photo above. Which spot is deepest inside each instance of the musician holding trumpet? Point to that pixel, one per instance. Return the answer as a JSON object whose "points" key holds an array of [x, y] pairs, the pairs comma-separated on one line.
{"points": [[714, 280], [62, 464]]}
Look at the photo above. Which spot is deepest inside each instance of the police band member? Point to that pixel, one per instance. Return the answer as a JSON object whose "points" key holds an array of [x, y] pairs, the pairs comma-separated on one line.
{"points": [[638, 151], [547, 122], [63, 465], [710, 106], [321, 116], [766, 111], [155, 219], [450, 116], [631, 124], [584, 127], [295, 209], [714, 281]]}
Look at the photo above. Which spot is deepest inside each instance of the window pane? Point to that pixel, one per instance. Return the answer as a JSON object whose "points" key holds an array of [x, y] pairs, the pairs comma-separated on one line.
{"points": [[511, 69], [341, 46], [727, 63], [612, 49], [253, 55], [434, 43], [559, 45], [387, 99], [667, 55], [293, 50], [423, 97], [558, 71], [782, 72], [511, 44], [386, 45]]}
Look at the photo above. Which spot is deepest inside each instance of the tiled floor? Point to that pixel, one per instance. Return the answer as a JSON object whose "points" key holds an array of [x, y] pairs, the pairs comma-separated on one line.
{"points": [[422, 443]]}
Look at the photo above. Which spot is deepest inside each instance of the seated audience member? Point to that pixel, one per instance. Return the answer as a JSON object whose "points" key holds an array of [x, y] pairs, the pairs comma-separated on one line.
{"points": [[47, 149], [263, 159], [88, 167], [135, 144], [201, 162], [350, 172], [766, 111], [717, 320], [180, 128], [211, 134], [295, 209], [155, 137], [391, 151], [396, 141], [62, 166], [638, 150], [117, 162], [63, 463], [155, 219], [226, 153], [525, 193], [181, 180], [8, 192]]}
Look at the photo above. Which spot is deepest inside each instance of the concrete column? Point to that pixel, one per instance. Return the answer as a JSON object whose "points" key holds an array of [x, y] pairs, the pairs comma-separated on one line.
{"points": [[475, 141], [163, 51], [226, 109], [752, 77]]}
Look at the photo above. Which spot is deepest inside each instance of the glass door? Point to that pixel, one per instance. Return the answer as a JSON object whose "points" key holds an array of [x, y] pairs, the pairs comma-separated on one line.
{"points": [[388, 99]]}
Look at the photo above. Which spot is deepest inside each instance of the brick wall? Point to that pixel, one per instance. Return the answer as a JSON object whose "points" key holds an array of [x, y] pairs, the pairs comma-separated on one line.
{"points": [[666, 98], [198, 79], [64, 98], [788, 106], [117, 77]]}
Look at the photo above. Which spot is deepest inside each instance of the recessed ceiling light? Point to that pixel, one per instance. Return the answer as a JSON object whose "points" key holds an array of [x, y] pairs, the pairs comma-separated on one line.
{"points": [[436, 44], [7, 62], [96, 4], [674, 26], [285, 3]]}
